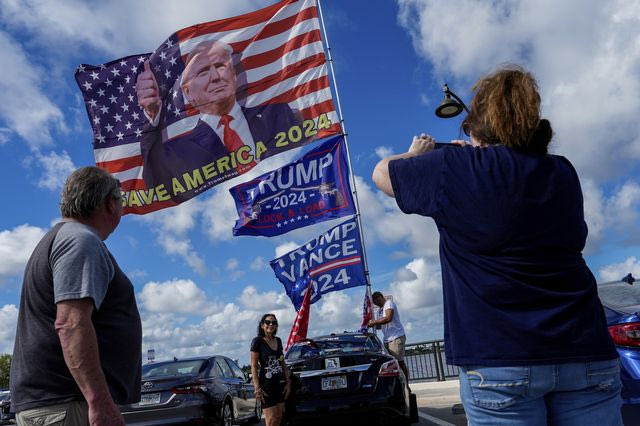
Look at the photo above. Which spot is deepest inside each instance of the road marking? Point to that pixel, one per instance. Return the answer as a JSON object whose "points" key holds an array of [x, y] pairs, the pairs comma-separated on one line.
{"points": [[435, 420]]}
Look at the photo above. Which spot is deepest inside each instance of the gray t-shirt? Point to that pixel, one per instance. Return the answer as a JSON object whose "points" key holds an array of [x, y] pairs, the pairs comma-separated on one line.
{"points": [[72, 262], [80, 263]]}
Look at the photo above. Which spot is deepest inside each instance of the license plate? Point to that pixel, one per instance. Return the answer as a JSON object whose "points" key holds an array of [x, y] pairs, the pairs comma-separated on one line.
{"points": [[333, 383], [149, 399]]}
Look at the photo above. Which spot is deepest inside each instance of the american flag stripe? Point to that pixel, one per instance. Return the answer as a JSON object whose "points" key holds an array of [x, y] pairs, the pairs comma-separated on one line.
{"points": [[281, 60], [248, 26], [132, 184], [294, 82], [126, 163], [285, 73], [259, 95], [129, 174], [275, 54], [347, 261], [104, 155], [296, 60], [264, 45], [300, 93]]}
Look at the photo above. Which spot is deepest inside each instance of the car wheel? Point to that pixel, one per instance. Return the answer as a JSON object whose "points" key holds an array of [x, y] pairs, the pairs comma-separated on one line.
{"points": [[227, 414], [257, 414]]}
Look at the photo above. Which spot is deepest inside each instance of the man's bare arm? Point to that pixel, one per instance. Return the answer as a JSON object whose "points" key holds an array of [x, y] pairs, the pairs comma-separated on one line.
{"points": [[388, 317], [80, 349]]}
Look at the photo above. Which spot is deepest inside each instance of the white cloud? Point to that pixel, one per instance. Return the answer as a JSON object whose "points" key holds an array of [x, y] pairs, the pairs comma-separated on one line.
{"points": [[175, 296], [55, 169], [285, 248], [5, 135], [8, 319], [232, 264], [614, 217], [183, 248], [258, 263], [384, 222], [25, 107], [616, 271], [588, 68], [383, 151], [103, 26], [171, 227], [587, 63], [418, 286], [16, 246]]}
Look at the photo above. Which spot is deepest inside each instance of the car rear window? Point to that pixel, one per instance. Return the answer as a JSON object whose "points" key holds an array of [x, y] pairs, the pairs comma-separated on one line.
{"points": [[620, 296], [333, 345], [172, 368]]}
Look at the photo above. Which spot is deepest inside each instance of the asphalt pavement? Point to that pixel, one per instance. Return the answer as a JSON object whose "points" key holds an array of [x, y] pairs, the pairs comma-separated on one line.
{"points": [[438, 404]]}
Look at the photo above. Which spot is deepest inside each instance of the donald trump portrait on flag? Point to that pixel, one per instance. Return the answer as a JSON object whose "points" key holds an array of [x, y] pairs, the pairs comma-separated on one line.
{"points": [[227, 136]]}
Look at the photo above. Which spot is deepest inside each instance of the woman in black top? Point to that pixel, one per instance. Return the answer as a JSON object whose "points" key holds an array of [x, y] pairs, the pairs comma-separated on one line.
{"points": [[269, 372]]}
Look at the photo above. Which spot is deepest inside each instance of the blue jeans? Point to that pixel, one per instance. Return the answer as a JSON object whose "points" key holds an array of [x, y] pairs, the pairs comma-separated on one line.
{"points": [[576, 394]]}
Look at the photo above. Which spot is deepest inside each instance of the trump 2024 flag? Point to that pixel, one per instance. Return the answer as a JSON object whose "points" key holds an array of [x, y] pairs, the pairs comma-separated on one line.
{"points": [[309, 190], [332, 262], [210, 103]]}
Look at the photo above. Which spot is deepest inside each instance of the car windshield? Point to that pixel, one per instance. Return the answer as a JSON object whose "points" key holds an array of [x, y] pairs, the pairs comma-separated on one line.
{"points": [[332, 345], [620, 297], [172, 368]]}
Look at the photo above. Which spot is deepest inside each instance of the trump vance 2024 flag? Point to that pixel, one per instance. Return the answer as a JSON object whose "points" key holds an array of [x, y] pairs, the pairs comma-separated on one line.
{"points": [[332, 261], [309, 190], [210, 103]]}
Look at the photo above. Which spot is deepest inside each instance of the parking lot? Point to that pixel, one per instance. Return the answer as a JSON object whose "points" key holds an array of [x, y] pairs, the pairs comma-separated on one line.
{"points": [[437, 403]]}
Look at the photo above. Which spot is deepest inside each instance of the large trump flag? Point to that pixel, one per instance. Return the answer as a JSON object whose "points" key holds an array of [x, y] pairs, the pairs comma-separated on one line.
{"points": [[210, 103]]}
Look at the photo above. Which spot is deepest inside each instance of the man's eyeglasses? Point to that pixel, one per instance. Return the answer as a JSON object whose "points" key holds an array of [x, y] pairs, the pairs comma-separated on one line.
{"points": [[269, 322]]}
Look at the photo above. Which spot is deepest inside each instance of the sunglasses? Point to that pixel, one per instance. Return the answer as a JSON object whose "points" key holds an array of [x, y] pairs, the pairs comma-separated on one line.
{"points": [[269, 322]]}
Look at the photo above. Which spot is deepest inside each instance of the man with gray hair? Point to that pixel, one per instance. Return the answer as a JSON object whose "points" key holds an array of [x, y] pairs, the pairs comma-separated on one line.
{"points": [[245, 135], [78, 348]]}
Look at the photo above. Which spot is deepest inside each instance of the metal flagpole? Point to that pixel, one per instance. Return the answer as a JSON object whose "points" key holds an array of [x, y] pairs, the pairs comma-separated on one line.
{"points": [[352, 177], [346, 143]]}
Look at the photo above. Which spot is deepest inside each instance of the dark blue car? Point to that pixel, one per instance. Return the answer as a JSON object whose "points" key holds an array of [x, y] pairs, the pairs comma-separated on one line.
{"points": [[621, 300]]}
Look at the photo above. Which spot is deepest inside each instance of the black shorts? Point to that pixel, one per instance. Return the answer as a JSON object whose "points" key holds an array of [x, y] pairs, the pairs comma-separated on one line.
{"points": [[273, 393]]}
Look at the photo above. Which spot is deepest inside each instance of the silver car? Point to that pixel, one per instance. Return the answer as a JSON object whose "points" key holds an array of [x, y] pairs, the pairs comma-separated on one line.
{"points": [[206, 390]]}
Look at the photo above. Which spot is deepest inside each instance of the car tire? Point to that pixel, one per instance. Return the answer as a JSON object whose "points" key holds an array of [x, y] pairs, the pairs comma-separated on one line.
{"points": [[257, 415], [227, 414]]}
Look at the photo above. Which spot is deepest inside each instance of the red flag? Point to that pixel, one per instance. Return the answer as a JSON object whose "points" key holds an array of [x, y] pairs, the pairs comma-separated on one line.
{"points": [[367, 311], [300, 325]]}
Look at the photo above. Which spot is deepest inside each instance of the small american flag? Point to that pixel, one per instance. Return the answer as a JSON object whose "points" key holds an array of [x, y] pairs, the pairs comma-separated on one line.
{"points": [[301, 324], [367, 312], [281, 60]]}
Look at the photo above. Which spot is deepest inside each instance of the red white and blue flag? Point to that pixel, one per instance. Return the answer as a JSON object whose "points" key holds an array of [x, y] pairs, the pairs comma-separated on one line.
{"points": [[312, 189], [332, 261], [278, 58], [301, 324], [367, 310]]}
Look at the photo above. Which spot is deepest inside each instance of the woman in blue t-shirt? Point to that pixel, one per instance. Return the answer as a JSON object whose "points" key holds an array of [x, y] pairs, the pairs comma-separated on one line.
{"points": [[522, 315], [269, 371]]}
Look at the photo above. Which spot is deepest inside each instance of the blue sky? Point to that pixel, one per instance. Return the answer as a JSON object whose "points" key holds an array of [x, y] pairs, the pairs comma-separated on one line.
{"points": [[201, 290]]}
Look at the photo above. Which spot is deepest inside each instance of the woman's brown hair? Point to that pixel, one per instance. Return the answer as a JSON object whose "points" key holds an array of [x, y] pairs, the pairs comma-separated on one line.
{"points": [[506, 110]]}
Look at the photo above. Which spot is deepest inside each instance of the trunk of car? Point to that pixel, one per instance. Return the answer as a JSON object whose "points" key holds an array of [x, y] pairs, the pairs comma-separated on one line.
{"points": [[162, 391], [332, 375]]}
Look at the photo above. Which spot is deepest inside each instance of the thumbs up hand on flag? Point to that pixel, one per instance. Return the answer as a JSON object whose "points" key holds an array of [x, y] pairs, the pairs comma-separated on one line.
{"points": [[147, 91]]}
